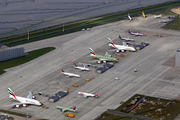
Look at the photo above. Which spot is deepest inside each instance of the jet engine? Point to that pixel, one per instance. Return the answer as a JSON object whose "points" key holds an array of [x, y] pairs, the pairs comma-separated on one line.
{"points": [[117, 51], [24, 105], [34, 97], [18, 106]]}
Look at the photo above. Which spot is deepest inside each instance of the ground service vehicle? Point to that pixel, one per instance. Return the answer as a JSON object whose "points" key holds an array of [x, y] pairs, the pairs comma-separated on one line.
{"points": [[69, 115]]}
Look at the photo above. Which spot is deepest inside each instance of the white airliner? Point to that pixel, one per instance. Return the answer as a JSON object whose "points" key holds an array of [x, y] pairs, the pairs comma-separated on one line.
{"points": [[23, 101], [136, 34], [70, 74], [81, 68], [119, 48], [158, 16], [89, 94], [126, 39], [164, 21], [129, 17]]}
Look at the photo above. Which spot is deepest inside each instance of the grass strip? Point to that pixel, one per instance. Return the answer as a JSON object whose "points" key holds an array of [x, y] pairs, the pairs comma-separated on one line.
{"points": [[15, 113], [21, 60], [173, 25], [110, 116], [41, 119]]}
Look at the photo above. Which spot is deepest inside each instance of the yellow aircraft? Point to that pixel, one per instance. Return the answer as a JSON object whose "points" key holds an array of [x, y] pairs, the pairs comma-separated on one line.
{"points": [[143, 14]]}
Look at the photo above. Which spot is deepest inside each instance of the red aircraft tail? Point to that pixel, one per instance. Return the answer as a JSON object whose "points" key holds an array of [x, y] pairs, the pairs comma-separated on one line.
{"points": [[96, 95]]}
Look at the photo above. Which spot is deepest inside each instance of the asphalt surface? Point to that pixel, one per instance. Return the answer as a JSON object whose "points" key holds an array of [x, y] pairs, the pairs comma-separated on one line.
{"points": [[129, 115], [43, 73], [35, 15]]}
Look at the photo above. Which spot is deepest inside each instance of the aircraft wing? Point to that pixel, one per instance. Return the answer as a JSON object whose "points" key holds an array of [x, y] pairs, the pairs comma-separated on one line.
{"points": [[61, 108], [95, 61], [114, 50], [29, 96], [92, 92], [84, 95], [101, 59], [15, 104], [69, 107]]}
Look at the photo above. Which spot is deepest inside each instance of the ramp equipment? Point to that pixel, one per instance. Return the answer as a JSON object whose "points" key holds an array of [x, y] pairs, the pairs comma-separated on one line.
{"points": [[89, 79], [69, 115], [122, 55]]}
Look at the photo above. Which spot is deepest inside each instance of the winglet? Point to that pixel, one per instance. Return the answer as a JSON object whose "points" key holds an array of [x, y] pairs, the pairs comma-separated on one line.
{"points": [[74, 108], [62, 70], [91, 51], [12, 93]]}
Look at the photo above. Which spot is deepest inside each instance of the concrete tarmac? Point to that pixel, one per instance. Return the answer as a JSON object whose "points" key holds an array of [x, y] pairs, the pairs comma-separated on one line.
{"points": [[43, 73]]}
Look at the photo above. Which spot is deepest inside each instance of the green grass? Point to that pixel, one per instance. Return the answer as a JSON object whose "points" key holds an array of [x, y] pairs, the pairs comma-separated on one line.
{"points": [[109, 116], [127, 102], [165, 12], [8, 118], [77, 26], [150, 110], [41, 119], [173, 25], [17, 61], [15, 113]]}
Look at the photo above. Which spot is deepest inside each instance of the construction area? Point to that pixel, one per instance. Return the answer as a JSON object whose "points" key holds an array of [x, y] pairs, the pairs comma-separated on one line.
{"points": [[145, 107]]}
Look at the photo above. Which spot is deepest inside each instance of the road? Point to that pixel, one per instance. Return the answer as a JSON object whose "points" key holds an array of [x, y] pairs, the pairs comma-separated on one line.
{"points": [[42, 74], [129, 115]]}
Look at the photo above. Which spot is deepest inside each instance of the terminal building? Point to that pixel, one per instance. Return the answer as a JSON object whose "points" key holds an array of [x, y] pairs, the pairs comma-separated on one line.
{"points": [[8, 54], [177, 59]]}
